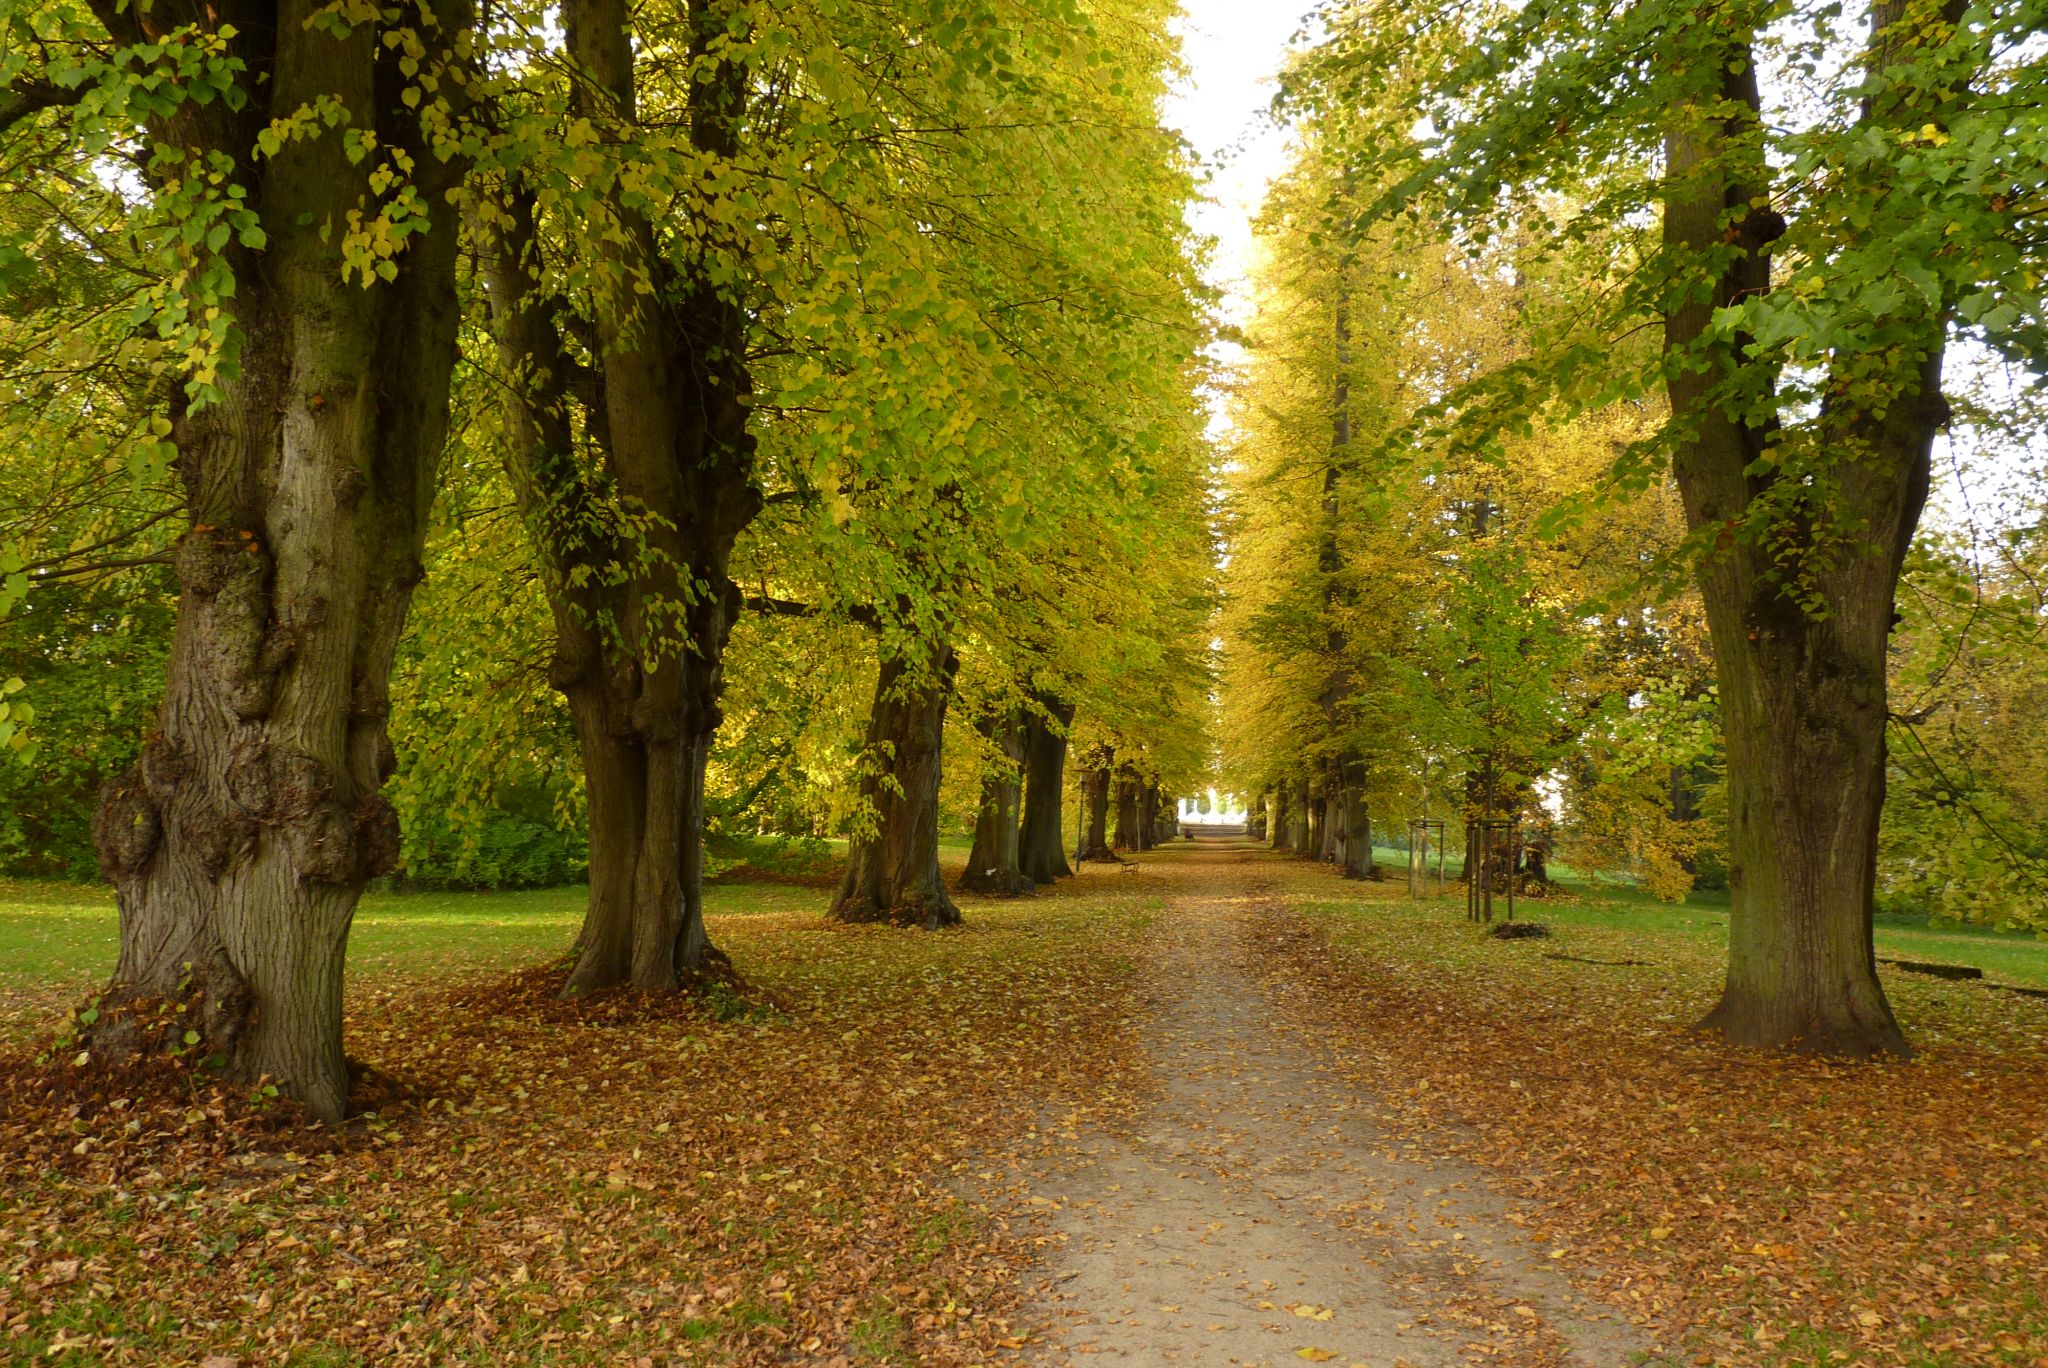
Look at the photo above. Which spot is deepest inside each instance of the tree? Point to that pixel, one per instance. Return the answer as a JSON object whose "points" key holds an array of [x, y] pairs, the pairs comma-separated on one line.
{"points": [[640, 654], [1807, 273], [892, 875], [994, 862], [1964, 836], [1398, 612], [295, 171], [1041, 840]]}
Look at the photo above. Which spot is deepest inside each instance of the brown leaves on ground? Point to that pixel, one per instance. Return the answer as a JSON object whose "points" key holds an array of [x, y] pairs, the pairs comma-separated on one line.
{"points": [[1757, 1207], [722, 1182]]}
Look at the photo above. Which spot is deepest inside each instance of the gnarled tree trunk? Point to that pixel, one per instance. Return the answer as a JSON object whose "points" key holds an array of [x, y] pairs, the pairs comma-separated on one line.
{"points": [[893, 875], [240, 841], [993, 864], [1042, 855]]}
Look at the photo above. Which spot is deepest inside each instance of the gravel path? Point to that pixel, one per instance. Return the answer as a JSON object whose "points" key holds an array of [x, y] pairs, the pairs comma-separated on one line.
{"points": [[1254, 1215]]}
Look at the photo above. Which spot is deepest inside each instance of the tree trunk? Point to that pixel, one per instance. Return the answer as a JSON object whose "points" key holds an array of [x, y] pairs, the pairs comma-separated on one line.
{"points": [[1042, 855], [615, 788], [1148, 816], [1256, 818], [1358, 861], [1802, 687], [1282, 835], [240, 840], [993, 864], [667, 407], [1096, 846], [1303, 834], [893, 875], [1332, 805], [1128, 795]]}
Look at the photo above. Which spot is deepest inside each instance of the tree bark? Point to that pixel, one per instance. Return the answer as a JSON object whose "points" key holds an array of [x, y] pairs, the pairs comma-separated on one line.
{"points": [[993, 865], [893, 875], [1332, 806], [1042, 855], [1802, 685], [1303, 833], [1282, 835], [240, 840], [1096, 793], [1256, 818]]}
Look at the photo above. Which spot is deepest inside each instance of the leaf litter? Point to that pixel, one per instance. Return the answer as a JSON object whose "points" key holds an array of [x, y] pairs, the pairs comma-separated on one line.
{"points": [[788, 1174], [1758, 1207]]}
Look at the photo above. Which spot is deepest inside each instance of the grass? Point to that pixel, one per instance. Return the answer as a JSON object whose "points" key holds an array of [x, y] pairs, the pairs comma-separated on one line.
{"points": [[2005, 956], [58, 941], [578, 1184]]}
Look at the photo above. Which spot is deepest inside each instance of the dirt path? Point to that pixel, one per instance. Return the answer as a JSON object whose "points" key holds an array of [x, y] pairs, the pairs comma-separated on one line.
{"points": [[1253, 1215]]}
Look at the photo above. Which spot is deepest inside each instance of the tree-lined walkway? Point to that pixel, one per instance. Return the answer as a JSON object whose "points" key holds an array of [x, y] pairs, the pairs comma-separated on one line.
{"points": [[1253, 1214]]}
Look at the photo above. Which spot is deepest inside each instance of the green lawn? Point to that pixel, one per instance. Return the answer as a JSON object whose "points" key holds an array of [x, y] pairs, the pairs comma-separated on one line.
{"points": [[2008, 957], [60, 939]]}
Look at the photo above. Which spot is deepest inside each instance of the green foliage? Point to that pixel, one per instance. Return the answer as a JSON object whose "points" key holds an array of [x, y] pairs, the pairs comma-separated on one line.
{"points": [[976, 334], [1417, 609], [972, 348], [493, 849], [1965, 834], [92, 660]]}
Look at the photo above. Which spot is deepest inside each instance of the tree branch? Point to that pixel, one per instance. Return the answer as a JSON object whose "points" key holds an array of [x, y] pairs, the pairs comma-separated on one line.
{"points": [[28, 98], [778, 607]]}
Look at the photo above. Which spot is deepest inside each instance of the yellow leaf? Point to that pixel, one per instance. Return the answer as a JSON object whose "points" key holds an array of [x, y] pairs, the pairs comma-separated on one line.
{"points": [[1315, 1355]]}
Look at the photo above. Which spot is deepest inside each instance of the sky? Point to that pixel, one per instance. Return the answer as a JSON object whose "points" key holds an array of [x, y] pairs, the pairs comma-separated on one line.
{"points": [[1232, 49]]}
